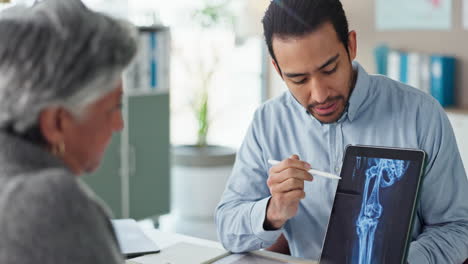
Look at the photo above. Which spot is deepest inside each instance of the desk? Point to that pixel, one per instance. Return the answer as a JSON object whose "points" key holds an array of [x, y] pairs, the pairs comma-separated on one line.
{"points": [[165, 240]]}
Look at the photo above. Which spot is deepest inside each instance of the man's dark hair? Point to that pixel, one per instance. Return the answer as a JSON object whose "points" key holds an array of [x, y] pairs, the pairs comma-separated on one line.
{"points": [[296, 18]]}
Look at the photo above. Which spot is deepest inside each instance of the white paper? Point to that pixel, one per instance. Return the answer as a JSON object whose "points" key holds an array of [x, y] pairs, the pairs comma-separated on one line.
{"points": [[262, 257], [181, 253], [247, 259]]}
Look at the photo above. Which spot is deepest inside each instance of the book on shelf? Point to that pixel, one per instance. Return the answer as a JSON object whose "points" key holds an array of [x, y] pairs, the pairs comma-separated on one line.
{"points": [[431, 73], [149, 71], [443, 79]]}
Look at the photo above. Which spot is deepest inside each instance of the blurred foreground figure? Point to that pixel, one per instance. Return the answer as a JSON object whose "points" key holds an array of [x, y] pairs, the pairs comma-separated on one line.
{"points": [[60, 99]]}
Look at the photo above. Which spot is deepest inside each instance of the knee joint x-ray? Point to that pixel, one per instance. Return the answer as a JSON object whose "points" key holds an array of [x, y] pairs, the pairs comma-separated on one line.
{"points": [[373, 208], [382, 173]]}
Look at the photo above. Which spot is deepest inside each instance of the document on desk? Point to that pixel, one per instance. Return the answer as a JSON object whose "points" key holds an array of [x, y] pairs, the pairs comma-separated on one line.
{"points": [[261, 257], [247, 259], [182, 253]]}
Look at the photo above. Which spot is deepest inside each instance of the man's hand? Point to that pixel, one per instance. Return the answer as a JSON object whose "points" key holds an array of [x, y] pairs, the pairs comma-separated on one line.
{"points": [[286, 184]]}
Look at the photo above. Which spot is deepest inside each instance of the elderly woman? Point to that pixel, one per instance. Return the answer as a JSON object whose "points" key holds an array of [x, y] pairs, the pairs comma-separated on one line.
{"points": [[60, 100]]}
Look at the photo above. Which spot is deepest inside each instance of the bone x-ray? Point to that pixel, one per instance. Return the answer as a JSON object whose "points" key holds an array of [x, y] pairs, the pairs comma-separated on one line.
{"points": [[374, 206]]}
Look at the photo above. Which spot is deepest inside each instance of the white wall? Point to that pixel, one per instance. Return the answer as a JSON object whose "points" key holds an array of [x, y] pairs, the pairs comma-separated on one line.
{"points": [[460, 127]]}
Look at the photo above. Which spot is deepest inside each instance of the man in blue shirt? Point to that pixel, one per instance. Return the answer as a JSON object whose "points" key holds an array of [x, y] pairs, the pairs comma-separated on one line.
{"points": [[333, 102]]}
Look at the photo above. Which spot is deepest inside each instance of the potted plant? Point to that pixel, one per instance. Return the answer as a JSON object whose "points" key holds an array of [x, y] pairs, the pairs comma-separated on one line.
{"points": [[199, 172]]}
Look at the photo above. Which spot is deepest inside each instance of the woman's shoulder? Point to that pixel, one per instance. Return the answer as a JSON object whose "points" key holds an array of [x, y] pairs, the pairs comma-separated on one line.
{"points": [[48, 192], [44, 185], [49, 197], [52, 211]]}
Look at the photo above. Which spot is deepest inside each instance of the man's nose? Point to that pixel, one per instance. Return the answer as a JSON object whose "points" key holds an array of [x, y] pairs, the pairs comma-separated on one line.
{"points": [[319, 91]]}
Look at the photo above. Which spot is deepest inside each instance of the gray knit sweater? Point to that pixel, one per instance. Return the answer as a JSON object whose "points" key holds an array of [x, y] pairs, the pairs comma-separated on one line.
{"points": [[46, 214]]}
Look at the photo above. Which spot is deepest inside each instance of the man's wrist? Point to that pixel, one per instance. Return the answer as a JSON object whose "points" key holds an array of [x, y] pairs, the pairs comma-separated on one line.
{"points": [[271, 221], [272, 225]]}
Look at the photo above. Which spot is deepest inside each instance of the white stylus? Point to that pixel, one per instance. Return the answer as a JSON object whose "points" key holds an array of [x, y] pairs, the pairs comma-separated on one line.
{"points": [[311, 171]]}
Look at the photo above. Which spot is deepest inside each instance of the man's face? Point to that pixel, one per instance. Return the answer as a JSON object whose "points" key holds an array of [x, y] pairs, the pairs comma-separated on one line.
{"points": [[317, 70]]}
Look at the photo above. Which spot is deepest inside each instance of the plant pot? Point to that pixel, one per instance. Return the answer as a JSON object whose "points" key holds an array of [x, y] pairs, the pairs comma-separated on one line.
{"points": [[198, 179]]}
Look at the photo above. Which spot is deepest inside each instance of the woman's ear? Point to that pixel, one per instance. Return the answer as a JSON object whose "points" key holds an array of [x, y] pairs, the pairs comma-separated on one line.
{"points": [[50, 125]]}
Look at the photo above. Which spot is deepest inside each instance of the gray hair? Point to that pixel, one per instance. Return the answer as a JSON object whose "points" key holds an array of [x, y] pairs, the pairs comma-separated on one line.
{"points": [[58, 53]]}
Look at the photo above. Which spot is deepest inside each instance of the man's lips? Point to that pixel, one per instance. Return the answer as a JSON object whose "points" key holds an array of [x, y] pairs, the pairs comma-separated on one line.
{"points": [[326, 109]]}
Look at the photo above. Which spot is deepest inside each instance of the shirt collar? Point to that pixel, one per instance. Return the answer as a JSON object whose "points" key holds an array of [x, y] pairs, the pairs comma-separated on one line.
{"points": [[355, 101], [360, 91]]}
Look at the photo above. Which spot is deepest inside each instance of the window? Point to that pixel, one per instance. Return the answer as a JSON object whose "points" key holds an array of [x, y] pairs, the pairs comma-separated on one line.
{"points": [[236, 87], [234, 93]]}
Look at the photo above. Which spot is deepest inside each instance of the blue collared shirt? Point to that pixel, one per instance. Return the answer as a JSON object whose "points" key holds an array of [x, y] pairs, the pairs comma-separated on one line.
{"points": [[381, 112]]}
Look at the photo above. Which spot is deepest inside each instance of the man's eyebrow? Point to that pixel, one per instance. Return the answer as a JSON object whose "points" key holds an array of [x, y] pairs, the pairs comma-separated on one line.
{"points": [[328, 62], [294, 75]]}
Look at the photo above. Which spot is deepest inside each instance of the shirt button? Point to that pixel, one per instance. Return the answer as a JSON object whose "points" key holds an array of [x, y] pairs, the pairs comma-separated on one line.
{"points": [[337, 169]]}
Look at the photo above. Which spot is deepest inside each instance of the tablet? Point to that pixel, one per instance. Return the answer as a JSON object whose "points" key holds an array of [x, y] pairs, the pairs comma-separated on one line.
{"points": [[132, 240], [374, 206]]}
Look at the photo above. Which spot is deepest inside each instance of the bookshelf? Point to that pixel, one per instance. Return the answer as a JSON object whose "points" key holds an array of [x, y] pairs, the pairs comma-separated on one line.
{"points": [[134, 175], [361, 15]]}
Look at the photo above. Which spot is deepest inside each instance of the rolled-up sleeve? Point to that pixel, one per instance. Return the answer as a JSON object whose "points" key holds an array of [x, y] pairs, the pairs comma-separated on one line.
{"points": [[241, 212]]}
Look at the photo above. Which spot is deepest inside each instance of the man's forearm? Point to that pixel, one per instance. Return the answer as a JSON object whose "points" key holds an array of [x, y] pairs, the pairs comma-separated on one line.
{"points": [[441, 244], [240, 226]]}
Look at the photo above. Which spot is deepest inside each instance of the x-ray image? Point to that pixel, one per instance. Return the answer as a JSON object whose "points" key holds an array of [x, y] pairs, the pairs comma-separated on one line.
{"points": [[372, 211], [380, 173]]}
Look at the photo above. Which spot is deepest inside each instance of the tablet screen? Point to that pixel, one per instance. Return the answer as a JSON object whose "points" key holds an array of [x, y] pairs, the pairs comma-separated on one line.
{"points": [[373, 207]]}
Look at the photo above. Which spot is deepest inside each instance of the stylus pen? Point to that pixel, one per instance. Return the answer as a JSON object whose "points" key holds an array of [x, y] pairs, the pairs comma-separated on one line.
{"points": [[311, 171]]}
